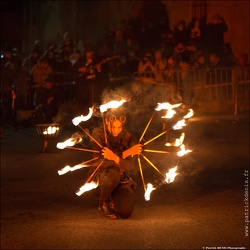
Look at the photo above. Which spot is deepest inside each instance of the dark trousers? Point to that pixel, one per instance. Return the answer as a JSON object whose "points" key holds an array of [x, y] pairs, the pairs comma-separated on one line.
{"points": [[121, 194]]}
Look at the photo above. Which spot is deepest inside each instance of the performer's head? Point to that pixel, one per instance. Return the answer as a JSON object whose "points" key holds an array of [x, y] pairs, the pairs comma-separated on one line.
{"points": [[115, 121]]}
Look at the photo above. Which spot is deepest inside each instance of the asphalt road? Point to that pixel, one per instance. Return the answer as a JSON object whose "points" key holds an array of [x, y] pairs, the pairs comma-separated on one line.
{"points": [[204, 208]]}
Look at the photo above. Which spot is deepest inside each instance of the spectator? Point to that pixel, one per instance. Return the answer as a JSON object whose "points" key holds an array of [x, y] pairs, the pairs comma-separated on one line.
{"points": [[159, 65], [181, 33], [186, 81], [89, 72], [170, 71], [50, 101], [39, 73], [146, 67], [195, 33], [181, 53], [50, 55], [227, 58], [29, 62], [38, 46], [67, 45], [214, 34], [241, 68], [213, 72]]}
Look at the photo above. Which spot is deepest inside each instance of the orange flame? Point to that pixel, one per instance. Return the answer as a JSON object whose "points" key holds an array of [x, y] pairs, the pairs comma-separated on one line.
{"points": [[183, 151], [82, 118], [111, 104], [87, 187], [171, 175], [50, 130], [68, 143], [166, 105], [66, 169], [189, 114], [179, 124], [148, 191], [169, 107], [178, 141]]}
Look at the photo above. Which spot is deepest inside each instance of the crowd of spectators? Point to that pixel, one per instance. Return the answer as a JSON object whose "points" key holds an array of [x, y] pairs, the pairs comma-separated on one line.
{"points": [[134, 47]]}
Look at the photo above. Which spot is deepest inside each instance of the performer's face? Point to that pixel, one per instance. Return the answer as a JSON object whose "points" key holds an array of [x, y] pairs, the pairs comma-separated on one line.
{"points": [[115, 127]]}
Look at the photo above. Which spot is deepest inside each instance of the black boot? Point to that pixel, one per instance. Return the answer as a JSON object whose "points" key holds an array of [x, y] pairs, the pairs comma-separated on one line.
{"points": [[106, 211]]}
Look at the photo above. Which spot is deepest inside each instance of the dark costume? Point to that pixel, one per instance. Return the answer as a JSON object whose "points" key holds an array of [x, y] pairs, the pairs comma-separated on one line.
{"points": [[116, 187]]}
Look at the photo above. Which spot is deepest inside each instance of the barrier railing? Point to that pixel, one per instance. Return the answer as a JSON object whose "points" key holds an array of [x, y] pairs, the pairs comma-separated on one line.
{"points": [[226, 89], [221, 89]]}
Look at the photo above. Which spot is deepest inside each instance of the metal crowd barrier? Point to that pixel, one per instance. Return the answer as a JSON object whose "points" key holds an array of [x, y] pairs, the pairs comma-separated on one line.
{"points": [[220, 90], [224, 89]]}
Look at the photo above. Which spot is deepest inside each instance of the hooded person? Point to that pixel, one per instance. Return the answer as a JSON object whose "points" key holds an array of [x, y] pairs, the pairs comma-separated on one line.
{"points": [[116, 197]]}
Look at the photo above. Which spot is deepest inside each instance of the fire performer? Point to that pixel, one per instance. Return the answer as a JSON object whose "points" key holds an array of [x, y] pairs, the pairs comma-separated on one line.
{"points": [[116, 187]]}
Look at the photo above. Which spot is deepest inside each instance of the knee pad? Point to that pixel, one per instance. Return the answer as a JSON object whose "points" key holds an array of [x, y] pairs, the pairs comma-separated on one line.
{"points": [[123, 197]]}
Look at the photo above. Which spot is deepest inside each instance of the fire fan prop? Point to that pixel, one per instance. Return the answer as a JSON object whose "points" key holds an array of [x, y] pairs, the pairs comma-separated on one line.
{"points": [[169, 176]]}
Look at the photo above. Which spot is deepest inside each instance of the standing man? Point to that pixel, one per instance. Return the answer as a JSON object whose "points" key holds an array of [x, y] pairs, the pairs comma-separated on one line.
{"points": [[88, 71]]}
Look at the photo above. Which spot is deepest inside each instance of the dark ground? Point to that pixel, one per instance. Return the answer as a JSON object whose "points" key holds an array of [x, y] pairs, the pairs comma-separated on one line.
{"points": [[204, 208]]}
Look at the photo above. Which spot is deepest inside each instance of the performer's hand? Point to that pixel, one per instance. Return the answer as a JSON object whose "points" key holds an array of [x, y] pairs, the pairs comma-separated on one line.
{"points": [[134, 150], [108, 154]]}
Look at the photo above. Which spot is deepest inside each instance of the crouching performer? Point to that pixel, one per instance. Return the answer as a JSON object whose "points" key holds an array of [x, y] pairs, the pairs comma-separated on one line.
{"points": [[116, 187]]}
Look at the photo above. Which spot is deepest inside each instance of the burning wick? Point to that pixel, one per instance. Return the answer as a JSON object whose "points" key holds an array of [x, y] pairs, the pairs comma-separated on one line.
{"points": [[171, 175], [78, 166], [82, 118], [50, 130], [68, 143], [149, 189], [111, 104], [183, 151], [179, 124], [166, 105], [189, 114], [87, 187], [178, 141], [68, 168], [169, 107]]}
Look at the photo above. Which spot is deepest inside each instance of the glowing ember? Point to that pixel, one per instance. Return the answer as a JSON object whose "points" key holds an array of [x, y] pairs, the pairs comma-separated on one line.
{"points": [[189, 114], [87, 187], [82, 118], [171, 175], [183, 151], [149, 189], [68, 143], [67, 169], [177, 142], [50, 130], [111, 104], [179, 124]]}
